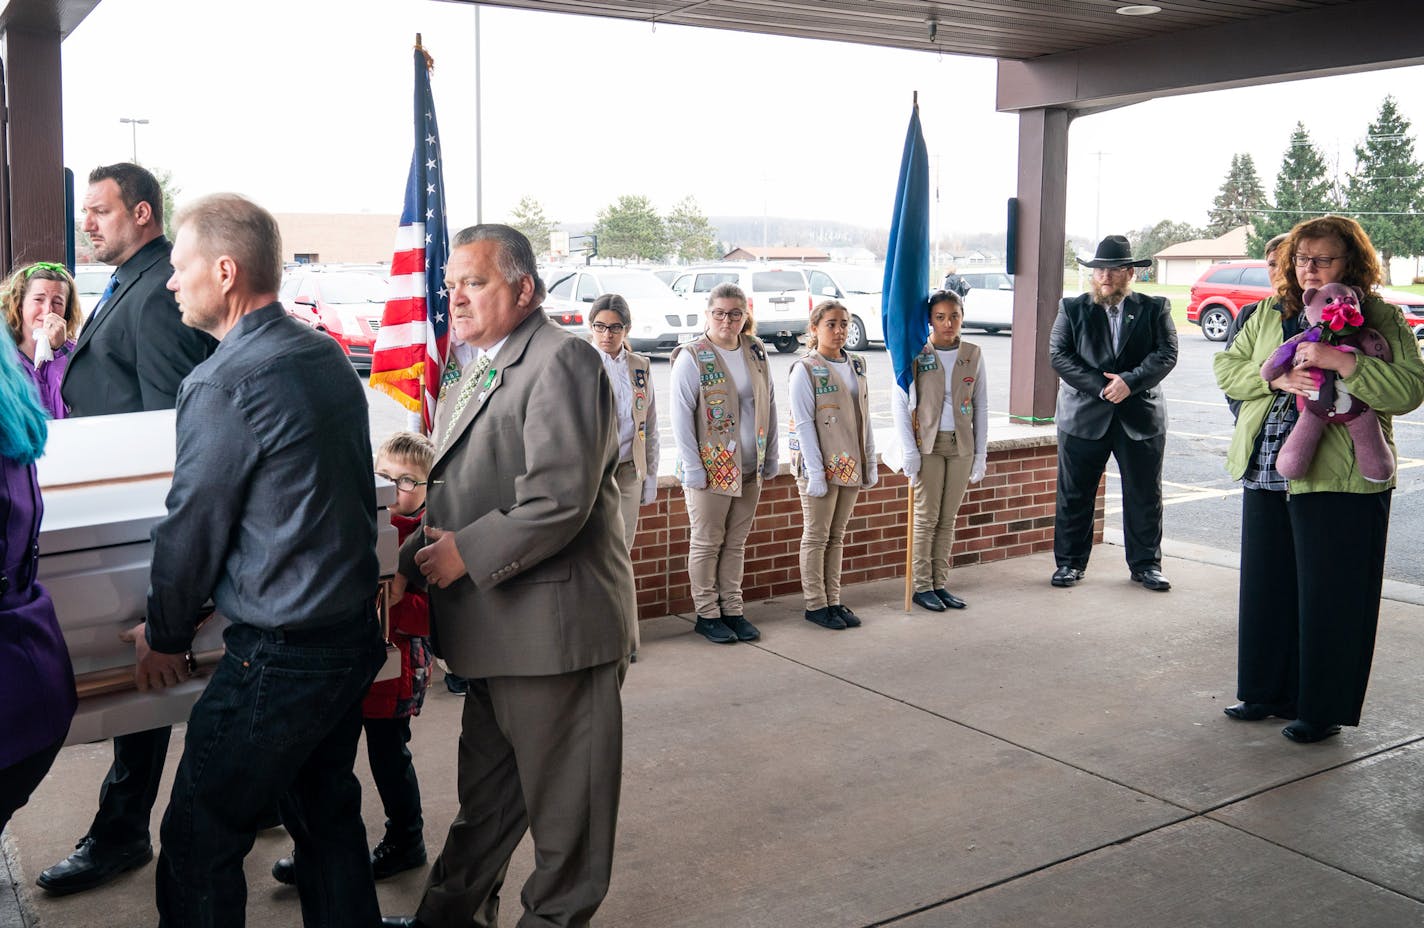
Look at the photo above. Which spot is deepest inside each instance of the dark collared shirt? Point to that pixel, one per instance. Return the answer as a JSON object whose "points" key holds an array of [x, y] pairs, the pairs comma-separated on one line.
{"points": [[272, 512]]}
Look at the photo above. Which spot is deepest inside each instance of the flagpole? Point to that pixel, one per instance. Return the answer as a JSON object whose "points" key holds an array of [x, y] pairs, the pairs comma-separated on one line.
{"points": [[909, 546]]}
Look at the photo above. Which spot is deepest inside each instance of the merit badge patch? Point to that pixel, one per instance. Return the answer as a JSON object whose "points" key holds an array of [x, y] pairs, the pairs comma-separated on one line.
{"points": [[640, 378], [841, 469], [721, 467]]}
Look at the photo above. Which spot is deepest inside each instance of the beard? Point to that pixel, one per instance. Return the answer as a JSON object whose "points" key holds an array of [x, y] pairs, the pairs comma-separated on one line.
{"points": [[1111, 292]]}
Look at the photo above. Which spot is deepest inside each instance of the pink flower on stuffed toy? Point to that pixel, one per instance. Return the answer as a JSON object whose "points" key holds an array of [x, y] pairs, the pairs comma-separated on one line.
{"points": [[1342, 311]]}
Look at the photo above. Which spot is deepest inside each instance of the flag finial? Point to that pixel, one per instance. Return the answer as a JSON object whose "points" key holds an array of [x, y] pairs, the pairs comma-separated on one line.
{"points": [[914, 99], [429, 62]]}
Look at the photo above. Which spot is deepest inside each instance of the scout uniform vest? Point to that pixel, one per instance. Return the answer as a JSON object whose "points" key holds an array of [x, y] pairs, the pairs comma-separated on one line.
{"points": [[638, 366], [840, 427], [930, 379], [718, 408]]}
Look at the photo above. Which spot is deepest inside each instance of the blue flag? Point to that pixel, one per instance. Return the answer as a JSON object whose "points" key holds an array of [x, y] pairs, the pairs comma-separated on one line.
{"points": [[907, 260]]}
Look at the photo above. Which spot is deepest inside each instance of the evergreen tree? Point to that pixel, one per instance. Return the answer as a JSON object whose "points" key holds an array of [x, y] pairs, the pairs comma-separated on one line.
{"points": [[631, 230], [690, 236], [1240, 200], [1149, 240], [1384, 192], [528, 217], [1304, 189]]}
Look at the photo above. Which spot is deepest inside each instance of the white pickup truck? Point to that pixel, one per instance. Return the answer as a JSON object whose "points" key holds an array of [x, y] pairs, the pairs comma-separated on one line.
{"points": [[104, 481]]}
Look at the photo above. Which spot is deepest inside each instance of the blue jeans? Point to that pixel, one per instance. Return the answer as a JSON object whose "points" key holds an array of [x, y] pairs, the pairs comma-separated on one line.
{"points": [[279, 721]]}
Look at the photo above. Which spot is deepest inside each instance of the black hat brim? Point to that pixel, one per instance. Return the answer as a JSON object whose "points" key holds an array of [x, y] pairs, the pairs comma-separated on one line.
{"points": [[1116, 262]]}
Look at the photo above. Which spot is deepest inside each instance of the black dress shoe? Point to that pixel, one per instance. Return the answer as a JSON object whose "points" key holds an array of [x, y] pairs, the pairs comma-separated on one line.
{"points": [[825, 618], [92, 865], [389, 859], [456, 684], [1152, 579], [949, 599], [1303, 732], [1256, 711], [1066, 576], [927, 600], [401, 921], [714, 630], [284, 871], [850, 619], [744, 630]]}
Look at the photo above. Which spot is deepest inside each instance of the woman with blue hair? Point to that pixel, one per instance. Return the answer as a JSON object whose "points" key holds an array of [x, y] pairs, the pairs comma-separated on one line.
{"points": [[37, 698]]}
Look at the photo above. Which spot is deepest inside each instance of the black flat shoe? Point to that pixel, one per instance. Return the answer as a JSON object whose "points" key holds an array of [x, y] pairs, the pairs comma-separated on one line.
{"points": [[92, 865], [744, 630], [389, 859], [1152, 579], [1256, 711], [1303, 732], [715, 631], [949, 599], [850, 619], [927, 600], [1066, 576], [824, 617], [284, 871]]}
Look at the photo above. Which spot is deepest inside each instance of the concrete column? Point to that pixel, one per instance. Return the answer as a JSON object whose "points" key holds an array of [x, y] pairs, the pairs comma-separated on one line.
{"points": [[33, 188], [1042, 213]]}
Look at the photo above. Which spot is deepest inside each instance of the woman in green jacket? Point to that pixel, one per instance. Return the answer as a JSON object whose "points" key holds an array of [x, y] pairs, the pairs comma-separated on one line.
{"points": [[1312, 549]]}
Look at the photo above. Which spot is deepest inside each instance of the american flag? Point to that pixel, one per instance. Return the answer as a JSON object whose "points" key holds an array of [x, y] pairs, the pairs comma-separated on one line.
{"points": [[414, 337]]}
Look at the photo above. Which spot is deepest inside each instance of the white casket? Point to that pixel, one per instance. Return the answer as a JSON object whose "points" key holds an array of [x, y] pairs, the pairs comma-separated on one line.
{"points": [[104, 481]]}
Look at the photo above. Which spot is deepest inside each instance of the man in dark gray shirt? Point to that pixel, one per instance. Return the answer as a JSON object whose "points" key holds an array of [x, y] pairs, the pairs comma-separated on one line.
{"points": [[272, 514]]}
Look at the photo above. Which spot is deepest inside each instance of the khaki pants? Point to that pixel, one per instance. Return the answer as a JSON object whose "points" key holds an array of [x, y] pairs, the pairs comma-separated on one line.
{"points": [[939, 488], [823, 542], [630, 488], [717, 549]]}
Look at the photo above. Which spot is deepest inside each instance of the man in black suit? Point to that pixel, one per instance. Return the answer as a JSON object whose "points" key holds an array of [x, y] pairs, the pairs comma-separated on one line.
{"points": [[132, 354], [1111, 348]]}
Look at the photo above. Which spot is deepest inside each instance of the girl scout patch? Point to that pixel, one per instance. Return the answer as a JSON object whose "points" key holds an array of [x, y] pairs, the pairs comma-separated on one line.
{"points": [[927, 363], [857, 363], [710, 373], [640, 379], [640, 400], [822, 375]]}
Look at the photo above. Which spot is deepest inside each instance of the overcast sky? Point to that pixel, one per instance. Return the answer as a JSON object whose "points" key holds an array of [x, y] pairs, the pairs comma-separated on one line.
{"points": [[305, 105]]}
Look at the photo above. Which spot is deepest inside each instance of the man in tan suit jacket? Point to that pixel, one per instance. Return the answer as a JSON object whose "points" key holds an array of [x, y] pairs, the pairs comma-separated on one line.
{"points": [[531, 593]]}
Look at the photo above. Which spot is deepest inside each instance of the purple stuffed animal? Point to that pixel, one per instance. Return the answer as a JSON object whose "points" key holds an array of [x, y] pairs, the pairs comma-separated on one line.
{"points": [[1329, 309]]}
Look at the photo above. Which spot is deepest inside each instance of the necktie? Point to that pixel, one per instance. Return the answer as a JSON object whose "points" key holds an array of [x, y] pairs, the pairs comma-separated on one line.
{"points": [[1115, 323], [103, 299], [462, 400]]}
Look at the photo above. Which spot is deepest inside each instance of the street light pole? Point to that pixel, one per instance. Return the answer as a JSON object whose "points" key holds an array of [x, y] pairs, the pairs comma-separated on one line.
{"points": [[134, 124]]}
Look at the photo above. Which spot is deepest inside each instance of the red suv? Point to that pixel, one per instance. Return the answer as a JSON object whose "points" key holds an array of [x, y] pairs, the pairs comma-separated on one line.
{"points": [[1221, 292]]}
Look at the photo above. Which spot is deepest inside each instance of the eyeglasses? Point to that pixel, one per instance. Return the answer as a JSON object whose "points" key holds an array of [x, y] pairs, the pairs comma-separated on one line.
{"points": [[1319, 261], [616, 328], [727, 315], [404, 483]]}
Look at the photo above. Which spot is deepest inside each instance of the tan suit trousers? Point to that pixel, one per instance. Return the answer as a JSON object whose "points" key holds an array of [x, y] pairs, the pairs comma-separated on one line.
{"points": [[717, 549], [823, 522], [939, 488], [542, 754], [630, 492]]}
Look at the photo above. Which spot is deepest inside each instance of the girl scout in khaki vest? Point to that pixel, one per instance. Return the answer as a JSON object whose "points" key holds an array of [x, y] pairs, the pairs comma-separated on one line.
{"points": [[724, 421], [832, 456], [943, 426], [609, 320]]}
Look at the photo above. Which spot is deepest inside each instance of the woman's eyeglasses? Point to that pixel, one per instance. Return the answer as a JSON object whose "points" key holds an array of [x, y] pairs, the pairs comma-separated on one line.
{"points": [[616, 328], [1320, 261], [727, 315]]}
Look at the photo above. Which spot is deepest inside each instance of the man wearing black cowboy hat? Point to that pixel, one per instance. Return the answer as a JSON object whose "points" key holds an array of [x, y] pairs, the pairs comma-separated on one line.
{"points": [[1112, 348]]}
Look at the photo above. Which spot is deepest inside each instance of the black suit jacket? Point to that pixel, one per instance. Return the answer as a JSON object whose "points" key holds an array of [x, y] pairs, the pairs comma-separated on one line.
{"points": [[1081, 350], [135, 354]]}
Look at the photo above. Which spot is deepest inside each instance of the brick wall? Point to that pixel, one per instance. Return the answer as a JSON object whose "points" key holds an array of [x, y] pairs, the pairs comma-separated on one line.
{"points": [[1008, 514]]}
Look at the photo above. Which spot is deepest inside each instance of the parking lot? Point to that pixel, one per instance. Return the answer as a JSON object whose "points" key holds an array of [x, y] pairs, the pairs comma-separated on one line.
{"points": [[1202, 503]]}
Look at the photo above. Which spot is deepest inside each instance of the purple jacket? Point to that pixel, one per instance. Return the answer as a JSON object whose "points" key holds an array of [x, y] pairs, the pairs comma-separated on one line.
{"points": [[49, 377], [37, 698]]}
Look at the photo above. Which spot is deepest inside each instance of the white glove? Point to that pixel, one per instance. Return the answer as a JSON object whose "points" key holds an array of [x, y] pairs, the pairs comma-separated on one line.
{"points": [[694, 478], [650, 490], [912, 464], [872, 477], [816, 485], [976, 472]]}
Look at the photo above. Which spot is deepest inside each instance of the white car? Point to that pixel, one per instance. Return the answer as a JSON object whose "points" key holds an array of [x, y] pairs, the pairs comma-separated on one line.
{"points": [[661, 321], [989, 304], [90, 280], [778, 297], [858, 287]]}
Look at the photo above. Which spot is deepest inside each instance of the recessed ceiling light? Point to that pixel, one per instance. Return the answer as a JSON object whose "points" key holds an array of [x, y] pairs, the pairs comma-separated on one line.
{"points": [[1140, 9]]}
